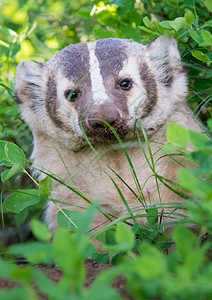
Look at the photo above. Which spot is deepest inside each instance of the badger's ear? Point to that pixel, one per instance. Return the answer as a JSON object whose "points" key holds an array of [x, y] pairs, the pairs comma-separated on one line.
{"points": [[164, 58], [30, 83]]}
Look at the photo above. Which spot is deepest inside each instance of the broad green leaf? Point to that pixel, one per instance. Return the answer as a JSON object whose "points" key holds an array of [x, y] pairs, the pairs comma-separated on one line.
{"points": [[189, 16], [45, 187], [11, 153], [14, 48], [196, 35], [169, 148], [147, 30], [21, 199], [184, 239], [124, 237], [69, 257], [151, 263], [7, 174], [198, 140], [102, 33], [187, 179], [177, 134], [152, 215], [22, 274], [85, 221], [77, 221], [194, 260], [8, 30], [6, 268], [17, 293], [207, 37], [178, 23], [40, 231], [34, 252], [148, 23], [68, 219], [110, 237], [208, 4], [209, 122], [200, 56], [130, 32], [165, 24]]}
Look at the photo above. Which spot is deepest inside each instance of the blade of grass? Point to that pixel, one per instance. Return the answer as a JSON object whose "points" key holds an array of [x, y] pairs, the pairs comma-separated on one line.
{"points": [[2, 215], [73, 190], [69, 174], [127, 156], [123, 198], [151, 156]]}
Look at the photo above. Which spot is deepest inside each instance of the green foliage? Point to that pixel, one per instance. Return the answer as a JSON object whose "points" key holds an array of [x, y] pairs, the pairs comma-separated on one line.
{"points": [[34, 30]]}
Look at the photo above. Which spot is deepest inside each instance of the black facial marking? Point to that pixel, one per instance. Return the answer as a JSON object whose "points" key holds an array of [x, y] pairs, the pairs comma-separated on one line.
{"points": [[168, 74], [111, 54], [17, 98], [74, 63], [52, 104], [151, 89]]}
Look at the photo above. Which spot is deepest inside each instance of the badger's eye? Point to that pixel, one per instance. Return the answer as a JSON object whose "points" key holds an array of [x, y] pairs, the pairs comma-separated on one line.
{"points": [[125, 84], [72, 95]]}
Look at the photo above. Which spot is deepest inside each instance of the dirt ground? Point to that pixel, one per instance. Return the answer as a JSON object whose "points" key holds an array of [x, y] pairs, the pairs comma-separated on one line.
{"points": [[54, 273]]}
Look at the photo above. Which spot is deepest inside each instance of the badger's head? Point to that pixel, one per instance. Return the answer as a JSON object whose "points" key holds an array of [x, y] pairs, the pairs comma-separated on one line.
{"points": [[110, 81]]}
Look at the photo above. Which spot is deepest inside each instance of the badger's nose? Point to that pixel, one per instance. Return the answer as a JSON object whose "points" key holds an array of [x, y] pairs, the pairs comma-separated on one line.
{"points": [[97, 118]]}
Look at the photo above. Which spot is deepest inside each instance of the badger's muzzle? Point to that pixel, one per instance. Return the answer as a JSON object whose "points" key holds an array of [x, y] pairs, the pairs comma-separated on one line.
{"points": [[96, 120]]}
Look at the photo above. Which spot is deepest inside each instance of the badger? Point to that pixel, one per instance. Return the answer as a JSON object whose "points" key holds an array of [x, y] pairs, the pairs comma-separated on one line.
{"points": [[83, 107]]}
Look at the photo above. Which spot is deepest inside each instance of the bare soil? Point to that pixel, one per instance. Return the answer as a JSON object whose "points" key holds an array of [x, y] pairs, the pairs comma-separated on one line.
{"points": [[92, 268]]}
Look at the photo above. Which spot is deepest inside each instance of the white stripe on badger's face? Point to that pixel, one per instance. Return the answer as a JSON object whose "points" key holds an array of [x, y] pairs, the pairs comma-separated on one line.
{"points": [[97, 86], [138, 93]]}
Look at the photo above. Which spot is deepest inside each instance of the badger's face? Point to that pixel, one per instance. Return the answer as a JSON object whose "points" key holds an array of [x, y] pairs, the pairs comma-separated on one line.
{"points": [[110, 81]]}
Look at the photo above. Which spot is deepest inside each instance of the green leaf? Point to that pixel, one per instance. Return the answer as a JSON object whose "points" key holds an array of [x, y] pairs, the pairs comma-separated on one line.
{"points": [[22, 274], [68, 254], [177, 134], [188, 180], [200, 56], [17, 293], [178, 23], [21, 199], [148, 23], [198, 140], [34, 252], [110, 237], [7, 174], [11, 153], [196, 36], [208, 4], [189, 16], [68, 219], [151, 263], [102, 33], [152, 215], [184, 239], [209, 122], [165, 24], [40, 231], [130, 33], [45, 187], [8, 30], [14, 48], [6, 268], [124, 237], [207, 37], [169, 148]]}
